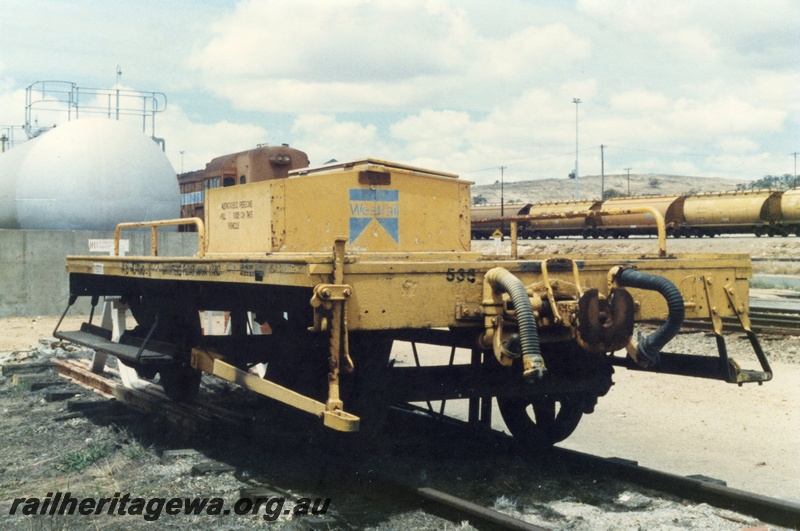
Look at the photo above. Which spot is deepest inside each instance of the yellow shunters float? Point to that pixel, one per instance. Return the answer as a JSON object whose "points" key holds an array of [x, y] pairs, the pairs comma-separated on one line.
{"points": [[335, 264]]}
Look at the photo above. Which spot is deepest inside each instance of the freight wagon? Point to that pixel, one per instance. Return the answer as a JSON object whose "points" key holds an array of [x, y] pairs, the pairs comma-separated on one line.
{"points": [[338, 263], [757, 212]]}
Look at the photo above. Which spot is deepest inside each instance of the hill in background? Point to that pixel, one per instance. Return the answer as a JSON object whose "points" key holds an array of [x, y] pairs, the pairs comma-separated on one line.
{"points": [[589, 187]]}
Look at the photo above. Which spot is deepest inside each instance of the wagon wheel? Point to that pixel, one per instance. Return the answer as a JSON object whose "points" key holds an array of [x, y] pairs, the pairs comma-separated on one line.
{"points": [[180, 382], [298, 359], [543, 421], [176, 323], [300, 363], [366, 391]]}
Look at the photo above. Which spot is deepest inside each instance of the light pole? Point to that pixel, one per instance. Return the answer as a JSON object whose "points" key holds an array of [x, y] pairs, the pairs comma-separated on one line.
{"points": [[629, 180], [119, 73], [182, 152], [576, 101], [602, 172], [502, 201]]}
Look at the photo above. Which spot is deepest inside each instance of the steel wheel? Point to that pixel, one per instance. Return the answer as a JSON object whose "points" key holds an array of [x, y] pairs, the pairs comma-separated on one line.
{"points": [[300, 363], [365, 392], [180, 382], [177, 323], [541, 422]]}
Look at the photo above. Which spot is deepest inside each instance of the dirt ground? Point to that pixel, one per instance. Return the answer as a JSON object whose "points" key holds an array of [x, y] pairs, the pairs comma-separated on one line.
{"points": [[748, 436]]}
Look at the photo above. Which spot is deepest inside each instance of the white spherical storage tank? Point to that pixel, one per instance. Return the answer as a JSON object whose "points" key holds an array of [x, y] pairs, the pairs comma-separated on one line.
{"points": [[89, 174], [10, 163]]}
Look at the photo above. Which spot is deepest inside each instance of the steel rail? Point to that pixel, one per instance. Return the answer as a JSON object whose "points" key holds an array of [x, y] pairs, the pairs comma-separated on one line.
{"points": [[482, 517], [700, 490], [761, 322], [193, 416], [704, 490], [697, 489]]}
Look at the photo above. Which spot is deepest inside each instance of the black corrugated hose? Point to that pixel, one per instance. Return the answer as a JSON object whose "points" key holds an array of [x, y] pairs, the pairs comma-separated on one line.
{"points": [[533, 364], [650, 346]]}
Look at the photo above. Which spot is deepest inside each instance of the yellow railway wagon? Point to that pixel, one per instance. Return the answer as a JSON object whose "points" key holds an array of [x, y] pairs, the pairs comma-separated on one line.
{"points": [[669, 206], [558, 224], [790, 212], [322, 272], [731, 212], [483, 230]]}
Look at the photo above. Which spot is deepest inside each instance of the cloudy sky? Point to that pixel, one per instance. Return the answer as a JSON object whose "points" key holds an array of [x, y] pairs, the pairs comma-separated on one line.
{"points": [[706, 88]]}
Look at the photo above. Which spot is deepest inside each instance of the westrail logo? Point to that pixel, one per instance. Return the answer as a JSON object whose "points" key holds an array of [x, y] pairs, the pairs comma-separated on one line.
{"points": [[383, 206]]}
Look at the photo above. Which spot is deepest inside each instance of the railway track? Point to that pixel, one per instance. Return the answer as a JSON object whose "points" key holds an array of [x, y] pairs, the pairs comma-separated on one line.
{"points": [[195, 417], [767, 316], [400, 489]]}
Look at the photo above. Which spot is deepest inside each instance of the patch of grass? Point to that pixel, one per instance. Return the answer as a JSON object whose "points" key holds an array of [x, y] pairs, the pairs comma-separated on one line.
{"points": [[136, 450], [77, 460], [766, 283], [132, 447], [777, 268], [55, 522]]}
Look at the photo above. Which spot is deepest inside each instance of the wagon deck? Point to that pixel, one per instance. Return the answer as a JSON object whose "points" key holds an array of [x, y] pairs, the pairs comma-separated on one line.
{"points": [[335, 264]]}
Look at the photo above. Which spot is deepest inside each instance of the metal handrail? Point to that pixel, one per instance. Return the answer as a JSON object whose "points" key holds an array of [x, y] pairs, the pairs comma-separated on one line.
{"points": [[660, 224], [154, 225]]}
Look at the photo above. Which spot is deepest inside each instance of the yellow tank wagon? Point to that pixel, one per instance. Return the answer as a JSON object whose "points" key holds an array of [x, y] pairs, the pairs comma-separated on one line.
{"points": [[322, 271], [557, 225], [790, 213], [669, 206], [752, 211]]}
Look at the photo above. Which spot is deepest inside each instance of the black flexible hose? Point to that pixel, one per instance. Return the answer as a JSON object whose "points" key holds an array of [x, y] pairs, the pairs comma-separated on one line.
{"points": [[650, 346], [526, 321]]}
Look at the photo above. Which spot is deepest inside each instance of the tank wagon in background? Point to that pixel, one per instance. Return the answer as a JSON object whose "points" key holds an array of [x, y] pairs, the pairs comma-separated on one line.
{"points": [[789, 222], [253, 165], [478, 213], [753, 212], [337, 264], [757, 212]]}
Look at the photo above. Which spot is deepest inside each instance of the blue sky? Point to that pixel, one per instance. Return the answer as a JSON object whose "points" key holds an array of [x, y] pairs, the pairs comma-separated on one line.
{"points": [[707, 88]]}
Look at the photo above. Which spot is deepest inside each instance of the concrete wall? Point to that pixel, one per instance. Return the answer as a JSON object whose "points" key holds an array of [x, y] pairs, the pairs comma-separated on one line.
{"points": [[33, 278]]}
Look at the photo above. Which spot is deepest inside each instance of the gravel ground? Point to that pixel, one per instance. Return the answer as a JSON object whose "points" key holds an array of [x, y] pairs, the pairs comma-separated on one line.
{"points": [[748, 436], [47, 448]]}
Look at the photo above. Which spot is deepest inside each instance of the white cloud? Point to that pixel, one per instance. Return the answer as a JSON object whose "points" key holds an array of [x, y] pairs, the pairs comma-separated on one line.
{"points": [[371, 55], [647, 16], [694, 43], [774, 90], [723, 116], [433, 133], [739, 144], [459, 86], [12, 103], [525, 54], [325, 138], [639, 101], [202, 142], [335, 56]]}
